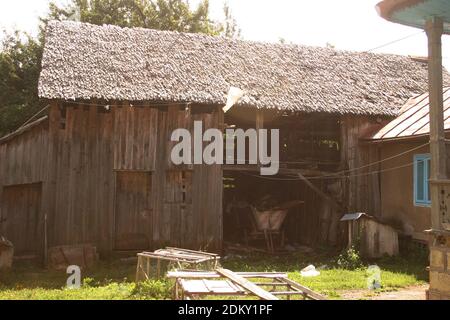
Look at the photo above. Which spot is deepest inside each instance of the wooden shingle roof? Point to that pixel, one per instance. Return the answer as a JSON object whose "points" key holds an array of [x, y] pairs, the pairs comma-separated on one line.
{"points": [[83, 61]]}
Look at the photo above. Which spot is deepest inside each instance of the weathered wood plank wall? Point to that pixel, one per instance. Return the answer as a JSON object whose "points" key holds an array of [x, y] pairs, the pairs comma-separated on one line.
{"points": [[361, 187], [23, 164], [21, 206], [107, 162], [23, 159], [133, 211], [90, 160], [81, 206]]}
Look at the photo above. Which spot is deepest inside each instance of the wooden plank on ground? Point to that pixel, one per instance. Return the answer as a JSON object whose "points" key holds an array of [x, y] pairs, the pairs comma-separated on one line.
{"points": [[212, 275], [311, 294], [200, 253], [244, 283]]}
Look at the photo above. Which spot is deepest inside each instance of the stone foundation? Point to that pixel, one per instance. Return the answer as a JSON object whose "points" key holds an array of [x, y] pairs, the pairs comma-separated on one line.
{"points": [[439, 266]]}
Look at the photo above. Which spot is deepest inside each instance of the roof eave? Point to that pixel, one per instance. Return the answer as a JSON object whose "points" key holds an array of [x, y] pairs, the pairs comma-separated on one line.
{"points": [[22, 130], [387, 8], [392, 11]]}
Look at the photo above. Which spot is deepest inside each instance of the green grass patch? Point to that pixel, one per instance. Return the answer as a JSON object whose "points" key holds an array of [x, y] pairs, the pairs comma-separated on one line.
{"points": [[114, 280]]}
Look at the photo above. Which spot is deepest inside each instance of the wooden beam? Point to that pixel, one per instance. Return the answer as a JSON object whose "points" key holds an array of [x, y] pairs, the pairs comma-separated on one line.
{"points": [[47, 215], [22, 130], [215, 275], [320, 192], [244, 283], [434, 29], [307, 291]]}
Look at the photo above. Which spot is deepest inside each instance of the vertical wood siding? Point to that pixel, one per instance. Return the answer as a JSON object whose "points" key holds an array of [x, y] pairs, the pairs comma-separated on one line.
{"points": [[133, 211], [362, 190], [112, 183], [23, 166], [107, 178], [81, 192], [21, 206]]}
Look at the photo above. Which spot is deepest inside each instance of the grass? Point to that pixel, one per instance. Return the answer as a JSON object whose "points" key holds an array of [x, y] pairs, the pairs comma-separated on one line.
{"points": [[114, 280]]}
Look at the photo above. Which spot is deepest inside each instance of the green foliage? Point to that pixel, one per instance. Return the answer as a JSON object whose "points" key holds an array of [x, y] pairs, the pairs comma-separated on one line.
{"points": [[153, 289], [89, 282], [108, 281], [20, 65], [21, 55], [174, 15], [113, 280], [349, 259]]}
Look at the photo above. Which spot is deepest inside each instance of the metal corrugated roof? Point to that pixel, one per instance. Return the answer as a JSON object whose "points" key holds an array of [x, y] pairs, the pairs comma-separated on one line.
{"points": [[414, 119]]}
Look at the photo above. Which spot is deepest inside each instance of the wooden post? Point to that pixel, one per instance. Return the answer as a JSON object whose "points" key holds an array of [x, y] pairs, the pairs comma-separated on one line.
{"points": [[138, 269], [350, 234], [47, 214], [434, 29], [45, 239], [322, 194]]}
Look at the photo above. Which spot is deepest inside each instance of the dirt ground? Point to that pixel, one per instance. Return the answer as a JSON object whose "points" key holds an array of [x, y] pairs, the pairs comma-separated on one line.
{"points": [[411, 293]]}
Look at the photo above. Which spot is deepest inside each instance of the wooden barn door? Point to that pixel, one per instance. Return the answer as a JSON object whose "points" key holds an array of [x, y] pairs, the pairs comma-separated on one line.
{"points": [[133, 211], [21, 206]]}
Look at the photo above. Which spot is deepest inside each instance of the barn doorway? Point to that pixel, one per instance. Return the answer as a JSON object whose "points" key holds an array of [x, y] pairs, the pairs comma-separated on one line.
{"points": [[309, 147], [133, 211], [21, 207], [307, 220]]}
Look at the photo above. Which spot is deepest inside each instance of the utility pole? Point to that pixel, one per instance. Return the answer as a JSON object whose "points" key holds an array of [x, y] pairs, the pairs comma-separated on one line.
{"points": [[434, 29], [439, 184]]}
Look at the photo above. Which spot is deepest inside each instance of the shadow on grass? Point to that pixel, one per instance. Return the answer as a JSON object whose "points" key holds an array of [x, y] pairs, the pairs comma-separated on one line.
{"points": [[397, 272], [27, 275]]}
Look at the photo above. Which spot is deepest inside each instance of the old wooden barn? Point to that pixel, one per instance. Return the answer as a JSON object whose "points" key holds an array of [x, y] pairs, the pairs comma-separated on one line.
{"points": [[97, 169]]}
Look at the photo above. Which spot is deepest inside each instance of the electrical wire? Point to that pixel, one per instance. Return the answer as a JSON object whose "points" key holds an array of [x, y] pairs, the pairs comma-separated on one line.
{"points": [[340, 173], [381, 161], [33, 117], [339, 177], [395, 41]]}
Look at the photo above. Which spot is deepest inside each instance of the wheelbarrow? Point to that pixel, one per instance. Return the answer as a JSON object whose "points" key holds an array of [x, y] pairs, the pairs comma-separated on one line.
{"points": [[268, 225]]}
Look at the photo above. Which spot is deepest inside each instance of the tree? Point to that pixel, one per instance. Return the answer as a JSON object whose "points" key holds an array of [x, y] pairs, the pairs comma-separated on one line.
{"points": [[230, 26], [20, 54], [173, 15], [20, 65]]}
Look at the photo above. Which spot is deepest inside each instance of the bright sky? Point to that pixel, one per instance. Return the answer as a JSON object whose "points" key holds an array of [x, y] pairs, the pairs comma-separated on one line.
{"points": [[346, 24]]}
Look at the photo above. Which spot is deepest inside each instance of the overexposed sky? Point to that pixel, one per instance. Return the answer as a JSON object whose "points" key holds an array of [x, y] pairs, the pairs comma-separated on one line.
{"points": [[346, 24]]}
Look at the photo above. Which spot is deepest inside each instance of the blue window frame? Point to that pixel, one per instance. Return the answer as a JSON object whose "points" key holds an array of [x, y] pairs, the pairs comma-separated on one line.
{"points": [[422, 180]]}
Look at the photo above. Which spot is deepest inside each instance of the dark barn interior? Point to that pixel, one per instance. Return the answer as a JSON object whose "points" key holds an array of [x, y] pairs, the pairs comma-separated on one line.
{"points": [[310, 147]]}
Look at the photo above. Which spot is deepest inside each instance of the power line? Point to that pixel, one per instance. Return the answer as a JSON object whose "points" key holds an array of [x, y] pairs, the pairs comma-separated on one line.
{"points": [[330, 176], [325, 177], [395, 41], [380, 161], [349, 170], [340, 173], [33, 117]]}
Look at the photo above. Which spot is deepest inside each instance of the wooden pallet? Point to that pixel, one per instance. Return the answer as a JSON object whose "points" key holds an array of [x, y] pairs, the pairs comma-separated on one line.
{"points": [[195, 285], [181, 258]]}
